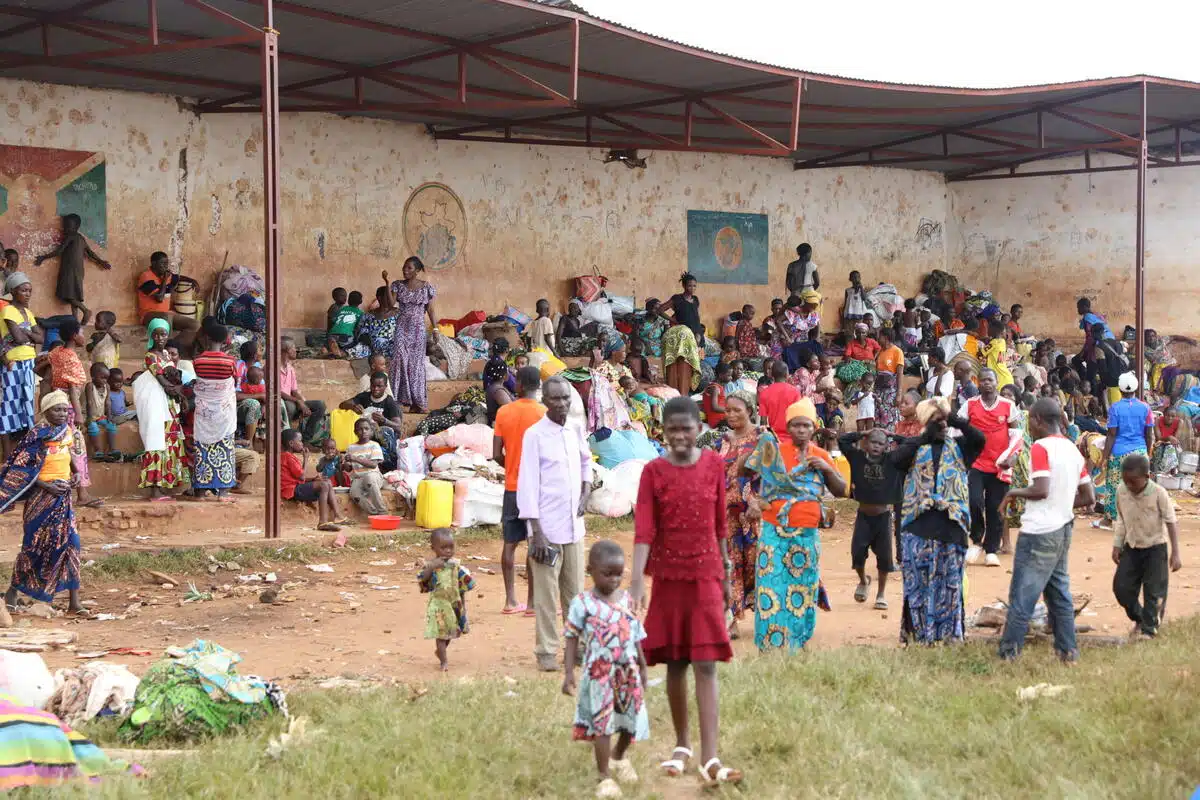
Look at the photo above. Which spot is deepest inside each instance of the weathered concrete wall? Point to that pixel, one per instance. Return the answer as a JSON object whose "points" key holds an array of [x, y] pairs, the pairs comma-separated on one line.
{"points": [[1044, 242], [536, 216]]}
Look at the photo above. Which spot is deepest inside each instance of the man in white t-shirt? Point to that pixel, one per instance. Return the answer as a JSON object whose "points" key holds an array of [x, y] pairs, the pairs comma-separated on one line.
{"points": [[1059, 483]]}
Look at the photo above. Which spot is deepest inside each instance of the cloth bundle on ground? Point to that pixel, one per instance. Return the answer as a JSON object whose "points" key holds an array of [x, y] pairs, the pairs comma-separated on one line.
{"points": [[466, 407], [614, 491], [97, 688], [25, 678], [476, 346], [884, 301], [237, 298], [474, 438], [517, 317], [457, 359], [616, 447], [196, 692], [937, 282]]}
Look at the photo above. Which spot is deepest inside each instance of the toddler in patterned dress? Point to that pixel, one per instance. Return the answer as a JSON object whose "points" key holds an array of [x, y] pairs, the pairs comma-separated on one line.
{"points": [[447, 582], [611, 693]]}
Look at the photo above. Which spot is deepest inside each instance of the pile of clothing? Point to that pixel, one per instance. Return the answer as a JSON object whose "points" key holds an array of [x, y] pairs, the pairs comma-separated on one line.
{"points": [[196, 692]]}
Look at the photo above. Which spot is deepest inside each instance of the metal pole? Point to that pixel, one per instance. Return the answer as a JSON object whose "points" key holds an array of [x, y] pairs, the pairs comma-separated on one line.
{"points": [[1140, 263], [270, 145]]}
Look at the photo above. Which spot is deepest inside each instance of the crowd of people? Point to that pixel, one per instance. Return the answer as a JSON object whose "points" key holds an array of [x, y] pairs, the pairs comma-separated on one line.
{"points": [[965, 427]]}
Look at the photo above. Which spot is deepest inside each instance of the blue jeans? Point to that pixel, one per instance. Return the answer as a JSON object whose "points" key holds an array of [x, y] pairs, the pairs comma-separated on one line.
{"points": [[1040, 567]]}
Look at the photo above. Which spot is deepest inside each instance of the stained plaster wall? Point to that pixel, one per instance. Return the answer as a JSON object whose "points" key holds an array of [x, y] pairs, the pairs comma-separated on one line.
{"points": [[1046, 241], [536, 216]]}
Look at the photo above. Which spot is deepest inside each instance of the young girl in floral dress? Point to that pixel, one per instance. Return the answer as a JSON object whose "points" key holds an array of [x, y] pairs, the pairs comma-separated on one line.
{"points": [[611, 695], [680, 540]]}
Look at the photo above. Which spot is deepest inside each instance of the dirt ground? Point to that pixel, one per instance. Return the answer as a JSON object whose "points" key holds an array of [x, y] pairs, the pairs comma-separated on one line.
{"points": [[365, 619]]}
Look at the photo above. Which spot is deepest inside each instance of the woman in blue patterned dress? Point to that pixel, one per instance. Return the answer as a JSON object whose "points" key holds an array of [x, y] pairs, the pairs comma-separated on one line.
{"points": [[376, 328], [935, 520], [413, 296], [795, 474]]}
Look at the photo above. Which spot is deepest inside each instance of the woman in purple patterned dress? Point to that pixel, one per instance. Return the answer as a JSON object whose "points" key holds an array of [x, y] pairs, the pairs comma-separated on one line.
{"points": [[413, 297]]}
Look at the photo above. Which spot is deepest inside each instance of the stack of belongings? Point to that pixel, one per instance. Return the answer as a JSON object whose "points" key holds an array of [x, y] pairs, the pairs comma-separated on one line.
{"points": [[196, 693]]}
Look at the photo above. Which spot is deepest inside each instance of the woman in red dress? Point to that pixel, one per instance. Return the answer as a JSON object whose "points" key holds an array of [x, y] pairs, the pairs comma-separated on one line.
{"points": [[680, 541]]}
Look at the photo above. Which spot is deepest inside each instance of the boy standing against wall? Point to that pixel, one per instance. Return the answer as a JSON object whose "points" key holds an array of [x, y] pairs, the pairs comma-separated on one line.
{"points": [[73, 251]]}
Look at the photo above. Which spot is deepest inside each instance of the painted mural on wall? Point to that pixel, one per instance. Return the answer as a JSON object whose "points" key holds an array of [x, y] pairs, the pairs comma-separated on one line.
{"points": [[435, 226], [727, 247], [38, 185]]}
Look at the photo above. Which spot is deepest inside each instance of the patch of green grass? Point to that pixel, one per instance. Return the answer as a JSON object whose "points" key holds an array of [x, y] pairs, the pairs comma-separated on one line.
{"points": [[854, 722]]}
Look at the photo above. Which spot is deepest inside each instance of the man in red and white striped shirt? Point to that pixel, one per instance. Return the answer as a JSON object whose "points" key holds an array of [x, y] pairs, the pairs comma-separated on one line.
{"points": [[996, 417]]}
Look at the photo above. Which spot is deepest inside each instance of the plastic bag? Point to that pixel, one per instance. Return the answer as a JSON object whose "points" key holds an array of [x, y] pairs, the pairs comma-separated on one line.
{"points": [[411, 456], [622, 305], [516, 316], [599, 311], [476, 438], [590, 287]]}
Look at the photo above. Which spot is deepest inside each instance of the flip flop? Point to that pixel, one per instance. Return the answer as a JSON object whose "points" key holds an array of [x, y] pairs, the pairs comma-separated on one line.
{"points": [[328, 527], [860, 593], [529, 612], [97, 503], [881, 604], [518, 609]]}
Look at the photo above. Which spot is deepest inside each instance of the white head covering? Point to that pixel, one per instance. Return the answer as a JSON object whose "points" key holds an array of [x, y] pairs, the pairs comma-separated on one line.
{"points": [[1127, 383]]}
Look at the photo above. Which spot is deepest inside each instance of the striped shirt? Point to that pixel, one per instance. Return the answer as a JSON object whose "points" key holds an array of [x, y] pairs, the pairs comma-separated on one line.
{"points": [[214, 366]]}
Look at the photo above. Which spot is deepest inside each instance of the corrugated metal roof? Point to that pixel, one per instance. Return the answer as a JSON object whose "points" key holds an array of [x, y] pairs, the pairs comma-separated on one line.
{"points": [[634, 88]]}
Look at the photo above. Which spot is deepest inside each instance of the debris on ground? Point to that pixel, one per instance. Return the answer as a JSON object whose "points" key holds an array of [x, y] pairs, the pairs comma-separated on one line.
{"points": [[296, 734], [86, 692], [162, 578], [319, 567], [194, 595], [1029, 693]]}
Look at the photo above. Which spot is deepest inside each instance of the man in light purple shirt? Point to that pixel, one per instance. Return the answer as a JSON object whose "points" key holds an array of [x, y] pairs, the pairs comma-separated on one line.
{"points": [[552, 490]]}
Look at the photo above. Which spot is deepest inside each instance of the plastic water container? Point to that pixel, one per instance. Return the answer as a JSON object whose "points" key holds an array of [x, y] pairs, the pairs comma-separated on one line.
{"points": [[1188, 463], [341, 427], [843, 465], [435, 504], [1167, 481]]}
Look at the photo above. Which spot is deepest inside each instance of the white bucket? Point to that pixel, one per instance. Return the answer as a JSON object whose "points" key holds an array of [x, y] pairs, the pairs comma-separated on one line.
{"points": [[1167, 481], [1185, 482], [1188, 463]]}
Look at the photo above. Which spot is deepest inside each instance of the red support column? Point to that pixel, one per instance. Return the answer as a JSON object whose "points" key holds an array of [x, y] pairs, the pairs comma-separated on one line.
{"points": [[152, 21], [270, 145], [1140, 257]]}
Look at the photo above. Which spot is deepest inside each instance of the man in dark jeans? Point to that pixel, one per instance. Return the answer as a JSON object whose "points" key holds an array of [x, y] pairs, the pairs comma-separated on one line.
{"points": [[996, 417]]}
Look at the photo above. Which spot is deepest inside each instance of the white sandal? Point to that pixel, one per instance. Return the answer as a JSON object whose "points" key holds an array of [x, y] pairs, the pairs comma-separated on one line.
{"points": [[608, 790], [674, 767], [723, 774], [622, 769]]}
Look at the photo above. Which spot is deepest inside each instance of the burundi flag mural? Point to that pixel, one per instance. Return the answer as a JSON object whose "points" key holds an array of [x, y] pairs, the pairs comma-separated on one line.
{"points": [[38, 185]]}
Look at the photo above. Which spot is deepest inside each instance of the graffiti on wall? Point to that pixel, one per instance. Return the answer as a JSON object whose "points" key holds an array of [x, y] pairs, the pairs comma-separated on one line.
{"points": [[435, 226], [38, 185], [727, 247]]}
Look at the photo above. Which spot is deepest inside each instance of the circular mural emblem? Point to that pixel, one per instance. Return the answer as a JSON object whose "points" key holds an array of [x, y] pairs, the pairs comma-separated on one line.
{"points": [[727, 247], [435, 226]]}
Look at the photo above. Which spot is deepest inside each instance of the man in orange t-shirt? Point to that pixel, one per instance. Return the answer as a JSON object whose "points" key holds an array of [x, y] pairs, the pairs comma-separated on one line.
{"points": [[774, 400], [512, 420], [154, 288]]}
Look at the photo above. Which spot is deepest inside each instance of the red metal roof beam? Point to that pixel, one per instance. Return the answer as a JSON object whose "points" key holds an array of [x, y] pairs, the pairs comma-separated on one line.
{"points": [[1120, 137], [45, 18], [769, 141]]}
